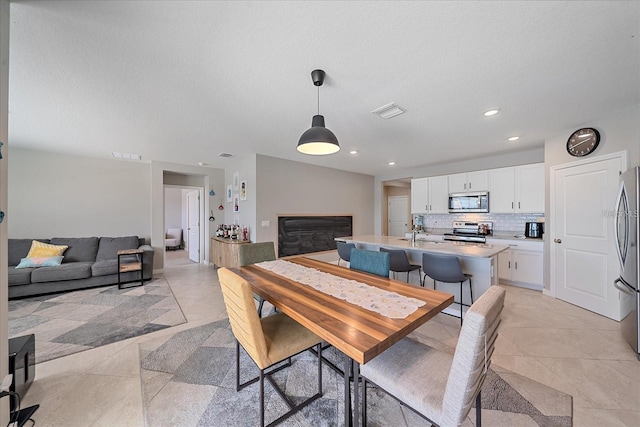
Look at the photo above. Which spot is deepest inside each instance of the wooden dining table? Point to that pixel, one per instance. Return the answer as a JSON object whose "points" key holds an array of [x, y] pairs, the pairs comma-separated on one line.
{"points": [[360, 334]]}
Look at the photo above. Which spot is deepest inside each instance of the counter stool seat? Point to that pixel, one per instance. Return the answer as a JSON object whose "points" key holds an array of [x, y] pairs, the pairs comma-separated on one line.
{"points": [[447, 269], [399, 262]]}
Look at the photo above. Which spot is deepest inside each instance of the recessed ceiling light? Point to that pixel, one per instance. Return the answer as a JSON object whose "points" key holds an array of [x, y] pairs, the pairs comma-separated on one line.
{"points": [[392, 163], [493, 112], [353, 152], [514, 138]]}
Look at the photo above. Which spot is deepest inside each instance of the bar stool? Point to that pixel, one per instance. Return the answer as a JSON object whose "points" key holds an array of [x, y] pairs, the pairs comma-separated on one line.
{"points": [[344, 251], [399, 262], [447, 269]]}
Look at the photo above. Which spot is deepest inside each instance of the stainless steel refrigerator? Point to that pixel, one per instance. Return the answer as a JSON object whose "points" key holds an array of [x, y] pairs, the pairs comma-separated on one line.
{"points": [[627, 239]]}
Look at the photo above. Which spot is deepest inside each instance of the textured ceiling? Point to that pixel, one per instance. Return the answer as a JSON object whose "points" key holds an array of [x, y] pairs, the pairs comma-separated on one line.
{"points": [[182, 81]]}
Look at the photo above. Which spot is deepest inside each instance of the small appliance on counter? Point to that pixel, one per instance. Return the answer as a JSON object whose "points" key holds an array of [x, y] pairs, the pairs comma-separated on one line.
{"points": [[465, 231], [534, 230]]}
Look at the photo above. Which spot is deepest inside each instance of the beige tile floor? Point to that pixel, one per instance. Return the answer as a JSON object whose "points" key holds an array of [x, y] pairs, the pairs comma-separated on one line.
{"points": [[547, 340]]}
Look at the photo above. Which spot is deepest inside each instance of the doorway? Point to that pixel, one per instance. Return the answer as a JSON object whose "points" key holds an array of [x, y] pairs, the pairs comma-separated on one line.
{"points": [[193, 225], [184, 209], [582, 257]]}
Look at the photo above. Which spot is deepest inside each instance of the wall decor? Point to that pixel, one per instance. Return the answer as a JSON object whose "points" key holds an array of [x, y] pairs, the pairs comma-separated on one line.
{"points": [[236, 180], [229, 193], [236, 202], [212, 193], [243, 190]]}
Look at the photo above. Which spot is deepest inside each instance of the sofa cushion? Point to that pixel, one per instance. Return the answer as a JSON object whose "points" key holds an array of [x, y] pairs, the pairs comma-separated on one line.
{"points": [[81, 249], [39, 249], [65, 271], [19, 248], [110, 266], [109, 246], [52, 261], [19, 277]]}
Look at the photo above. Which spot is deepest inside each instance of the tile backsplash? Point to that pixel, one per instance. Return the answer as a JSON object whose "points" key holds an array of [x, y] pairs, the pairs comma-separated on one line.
{"points": [[501, 222]]}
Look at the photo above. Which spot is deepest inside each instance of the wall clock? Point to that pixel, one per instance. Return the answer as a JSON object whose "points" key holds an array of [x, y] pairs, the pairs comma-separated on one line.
{"points": [[583, 142]]}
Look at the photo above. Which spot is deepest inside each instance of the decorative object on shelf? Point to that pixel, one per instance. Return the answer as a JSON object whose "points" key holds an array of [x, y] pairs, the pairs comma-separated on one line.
{"points": [[243, 190], [236, 203], [583, 142], [229, 193], [318, 140], [211, 217], [1, 216], [212, 193]]}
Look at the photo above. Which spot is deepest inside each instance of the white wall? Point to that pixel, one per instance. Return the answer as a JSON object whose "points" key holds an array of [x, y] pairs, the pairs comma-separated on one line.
{"points": [[619, 131], [287, 187], [57, 195], [172, 207]]}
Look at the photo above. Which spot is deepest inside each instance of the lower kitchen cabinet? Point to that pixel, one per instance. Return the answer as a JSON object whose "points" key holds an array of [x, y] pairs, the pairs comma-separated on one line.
{"points": [[521, 266]]}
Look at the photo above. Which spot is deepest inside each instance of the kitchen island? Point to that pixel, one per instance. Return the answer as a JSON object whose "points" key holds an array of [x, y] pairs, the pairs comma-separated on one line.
{"points": [[478, 259]]}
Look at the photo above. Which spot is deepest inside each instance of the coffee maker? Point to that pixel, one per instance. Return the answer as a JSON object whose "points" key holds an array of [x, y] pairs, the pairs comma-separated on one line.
{"points": [[534, 230]]}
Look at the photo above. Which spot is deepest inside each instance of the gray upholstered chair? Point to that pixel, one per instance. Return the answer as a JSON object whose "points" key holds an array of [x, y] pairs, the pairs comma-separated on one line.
{"points": [[447, 269], [440, 386], [173, 239], [370, 262], [267, 341], [251, 253], [344, 251], [399, 262]]}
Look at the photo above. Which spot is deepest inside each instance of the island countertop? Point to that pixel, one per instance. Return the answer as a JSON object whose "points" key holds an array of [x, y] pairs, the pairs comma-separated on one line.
{"points": [[465, 249]]}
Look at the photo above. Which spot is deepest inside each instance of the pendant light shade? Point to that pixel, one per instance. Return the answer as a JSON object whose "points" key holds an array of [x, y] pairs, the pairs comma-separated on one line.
{"points": [[318, 140]]}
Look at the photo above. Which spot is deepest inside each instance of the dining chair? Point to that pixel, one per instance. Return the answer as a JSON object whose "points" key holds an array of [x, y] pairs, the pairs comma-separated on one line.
{"points": [[399, 262], [370, 261], [267, 341], [435, 384], [344, 251], [447, 269], [251, 253]]}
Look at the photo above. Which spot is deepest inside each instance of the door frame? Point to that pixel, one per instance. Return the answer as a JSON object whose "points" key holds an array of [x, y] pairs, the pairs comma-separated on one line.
{"points": [[622, 155], [200, 191]]}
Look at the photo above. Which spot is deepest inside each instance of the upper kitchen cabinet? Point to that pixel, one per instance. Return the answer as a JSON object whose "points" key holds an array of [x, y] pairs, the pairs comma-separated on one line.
{"points": [[518, 189], [430, 195], [470, 181]]}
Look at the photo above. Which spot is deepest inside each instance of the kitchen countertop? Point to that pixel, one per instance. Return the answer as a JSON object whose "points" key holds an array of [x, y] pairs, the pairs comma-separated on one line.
{"points": [[478, 250], [503, 235]]}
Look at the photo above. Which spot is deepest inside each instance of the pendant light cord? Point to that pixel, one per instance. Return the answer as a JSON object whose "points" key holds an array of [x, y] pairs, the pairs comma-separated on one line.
{"points": [[318, 100]]}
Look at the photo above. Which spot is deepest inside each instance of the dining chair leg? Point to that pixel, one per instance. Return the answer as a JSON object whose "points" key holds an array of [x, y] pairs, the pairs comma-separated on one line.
{"points": [[364, 401], [356, 393], [461, 304], [347, 391], [261, 398], [237, 365], [260, 304], [471, 290], [479, 410]]}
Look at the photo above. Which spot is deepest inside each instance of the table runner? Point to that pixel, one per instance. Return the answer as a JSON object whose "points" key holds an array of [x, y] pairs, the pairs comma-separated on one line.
{"points": [[389, 304]]}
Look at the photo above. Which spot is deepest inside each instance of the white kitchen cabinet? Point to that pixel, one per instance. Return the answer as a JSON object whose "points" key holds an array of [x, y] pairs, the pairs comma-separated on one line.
{"points": [[518, 189], [521, 265], [469, 181], [429, 195]]}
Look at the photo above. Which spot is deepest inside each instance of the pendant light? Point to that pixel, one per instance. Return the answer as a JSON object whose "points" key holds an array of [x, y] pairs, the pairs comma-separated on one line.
{"points": [[318, 140]]}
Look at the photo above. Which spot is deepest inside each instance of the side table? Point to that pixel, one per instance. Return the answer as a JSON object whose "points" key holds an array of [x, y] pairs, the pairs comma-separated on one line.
{"points": [[130, 266]]}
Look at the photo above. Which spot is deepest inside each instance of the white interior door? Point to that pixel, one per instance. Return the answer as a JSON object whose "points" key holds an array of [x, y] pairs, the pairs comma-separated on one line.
{"points": [[584, 263], [193, 225], [398, 215]]}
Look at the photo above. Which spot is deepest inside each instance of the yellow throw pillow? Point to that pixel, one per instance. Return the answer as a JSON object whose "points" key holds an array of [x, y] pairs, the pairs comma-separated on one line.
{"points": [[40, 250]]}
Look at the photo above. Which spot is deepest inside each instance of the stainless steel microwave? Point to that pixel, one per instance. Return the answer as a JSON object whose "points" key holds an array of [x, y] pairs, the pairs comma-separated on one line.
{"points": [[469, 202]]}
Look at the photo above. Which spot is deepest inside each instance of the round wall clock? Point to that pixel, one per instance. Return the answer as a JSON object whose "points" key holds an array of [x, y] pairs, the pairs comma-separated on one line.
{"points": [[583, 142]]}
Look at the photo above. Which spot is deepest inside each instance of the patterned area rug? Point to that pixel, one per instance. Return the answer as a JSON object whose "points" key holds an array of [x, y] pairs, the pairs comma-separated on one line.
{"points": [[80, 320], [189, 380]]}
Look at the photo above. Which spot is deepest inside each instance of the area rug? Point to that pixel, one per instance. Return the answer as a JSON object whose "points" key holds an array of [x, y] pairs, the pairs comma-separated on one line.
{"points": [[75, 321], [189, 380]]}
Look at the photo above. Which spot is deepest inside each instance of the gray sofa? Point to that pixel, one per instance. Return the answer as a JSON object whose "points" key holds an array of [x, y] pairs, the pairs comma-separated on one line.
{"points": [[87, 262]]}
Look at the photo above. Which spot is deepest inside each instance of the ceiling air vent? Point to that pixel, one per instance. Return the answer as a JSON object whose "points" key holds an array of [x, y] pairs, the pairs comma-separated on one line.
{"points": [[389, 110], [225, 155]]}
